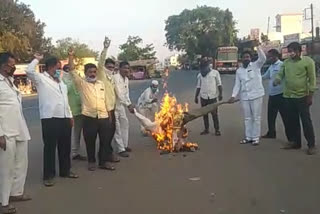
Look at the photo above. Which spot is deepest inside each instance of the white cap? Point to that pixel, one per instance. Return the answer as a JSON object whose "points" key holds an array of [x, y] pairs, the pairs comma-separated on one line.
{"points": [[155, 82]]}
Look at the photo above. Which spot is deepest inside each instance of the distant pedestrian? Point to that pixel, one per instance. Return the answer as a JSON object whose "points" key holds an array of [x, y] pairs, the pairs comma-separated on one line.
{"points": [[299, 76], [248, 84], [276, 101], [209, 87]]}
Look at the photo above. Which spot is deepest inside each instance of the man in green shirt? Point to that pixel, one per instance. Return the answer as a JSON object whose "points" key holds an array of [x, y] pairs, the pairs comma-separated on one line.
{"points": [[75, 106], [298, 73]]}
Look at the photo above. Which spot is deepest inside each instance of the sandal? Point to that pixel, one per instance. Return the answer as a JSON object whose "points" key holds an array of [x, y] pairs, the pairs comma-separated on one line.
{"points": [[107, 166], [20, 198], [71, 175], [8, 209], [245, 141], [48, 183]]}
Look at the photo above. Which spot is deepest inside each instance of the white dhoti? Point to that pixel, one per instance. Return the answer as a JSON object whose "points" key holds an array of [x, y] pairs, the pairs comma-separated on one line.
{"points": [[252, 117], [122, 129], [13, 169]]}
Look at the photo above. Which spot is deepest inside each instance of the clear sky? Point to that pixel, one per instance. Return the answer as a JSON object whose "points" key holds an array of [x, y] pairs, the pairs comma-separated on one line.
{"points": [[90, 20]]}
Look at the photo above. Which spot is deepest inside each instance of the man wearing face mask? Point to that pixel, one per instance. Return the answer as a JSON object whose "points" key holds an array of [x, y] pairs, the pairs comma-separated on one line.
{"points": [[299, 76], [56, 118], [148, 102], [209, 87], [95, 115], [248, 83], [122, 103], [14, 137], [105, 74]]}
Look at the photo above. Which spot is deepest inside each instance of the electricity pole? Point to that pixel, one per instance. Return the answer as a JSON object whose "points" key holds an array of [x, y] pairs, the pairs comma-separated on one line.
{"points": [[312, 24]]}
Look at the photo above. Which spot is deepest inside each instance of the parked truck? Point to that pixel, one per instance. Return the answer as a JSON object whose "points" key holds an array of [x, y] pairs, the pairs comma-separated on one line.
{"points": [[226, 60]]}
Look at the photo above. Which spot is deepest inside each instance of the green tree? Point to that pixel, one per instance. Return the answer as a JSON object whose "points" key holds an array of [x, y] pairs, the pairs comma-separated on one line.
{"points": [[81, 50], [20, 32], [131, 50], [200, 31]]}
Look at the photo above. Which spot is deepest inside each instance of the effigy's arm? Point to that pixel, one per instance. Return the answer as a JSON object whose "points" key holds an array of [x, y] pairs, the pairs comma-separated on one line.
{"points": [[145, 122]]}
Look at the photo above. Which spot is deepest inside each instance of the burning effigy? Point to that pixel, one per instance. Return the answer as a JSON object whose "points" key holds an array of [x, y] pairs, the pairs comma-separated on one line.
{"points": [[168, 129]]}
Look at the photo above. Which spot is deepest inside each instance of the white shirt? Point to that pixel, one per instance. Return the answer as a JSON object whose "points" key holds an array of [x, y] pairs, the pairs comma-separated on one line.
{"points": [[146, 98], [53, 96], [12, 122], [122, 91], [209, 84], [248, 82]]}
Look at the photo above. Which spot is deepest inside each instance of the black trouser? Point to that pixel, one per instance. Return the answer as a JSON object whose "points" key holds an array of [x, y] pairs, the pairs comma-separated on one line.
{"points": [[276, 104], [205, 102], [112, 128], [56, 131], [298, 109], [91, 128]]}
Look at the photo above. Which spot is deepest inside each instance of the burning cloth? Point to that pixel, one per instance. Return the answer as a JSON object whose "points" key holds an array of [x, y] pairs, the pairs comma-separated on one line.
{"points": [[168, 129]]}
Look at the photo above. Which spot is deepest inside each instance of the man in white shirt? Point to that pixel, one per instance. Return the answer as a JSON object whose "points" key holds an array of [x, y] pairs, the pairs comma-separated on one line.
{"points": [[148, 102], [122, 103], [209, 87], [248, 84], [55, 118], [14, 137]]}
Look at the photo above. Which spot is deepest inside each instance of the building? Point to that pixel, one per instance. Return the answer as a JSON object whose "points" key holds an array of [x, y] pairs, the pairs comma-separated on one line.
{"points": [[290, 23], [287, 24]]}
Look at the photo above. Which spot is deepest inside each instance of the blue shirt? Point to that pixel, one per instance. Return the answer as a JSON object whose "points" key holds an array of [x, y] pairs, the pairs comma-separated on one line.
{"points": [[271, 74]]}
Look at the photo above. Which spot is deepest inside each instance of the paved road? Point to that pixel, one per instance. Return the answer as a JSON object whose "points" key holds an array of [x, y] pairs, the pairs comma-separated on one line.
{"points": [[234, 179]]}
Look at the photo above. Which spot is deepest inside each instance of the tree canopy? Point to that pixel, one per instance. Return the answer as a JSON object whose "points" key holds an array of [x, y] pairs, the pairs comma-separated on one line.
{"points": [[20, 32], [200, 31], [81, 50], [132, 50]]}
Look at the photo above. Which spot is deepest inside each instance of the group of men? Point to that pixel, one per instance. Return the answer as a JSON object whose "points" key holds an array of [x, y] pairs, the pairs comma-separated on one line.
{"points": [[291, 87], [92, 105], [96, 104]]}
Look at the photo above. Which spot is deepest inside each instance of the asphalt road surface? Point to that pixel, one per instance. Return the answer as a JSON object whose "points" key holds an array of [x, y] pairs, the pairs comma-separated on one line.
{"points": [[223, 177]]}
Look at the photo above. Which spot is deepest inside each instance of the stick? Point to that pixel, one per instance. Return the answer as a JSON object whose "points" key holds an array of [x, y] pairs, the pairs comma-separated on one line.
{"points": [[196, 113]]}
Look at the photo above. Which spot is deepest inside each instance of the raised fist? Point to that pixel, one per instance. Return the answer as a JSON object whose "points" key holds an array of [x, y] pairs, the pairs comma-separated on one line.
{"points": [[38, 56], [106, 42]]}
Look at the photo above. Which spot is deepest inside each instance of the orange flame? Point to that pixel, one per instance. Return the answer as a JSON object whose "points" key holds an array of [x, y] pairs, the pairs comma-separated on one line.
{"points": [[170, 133]]}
